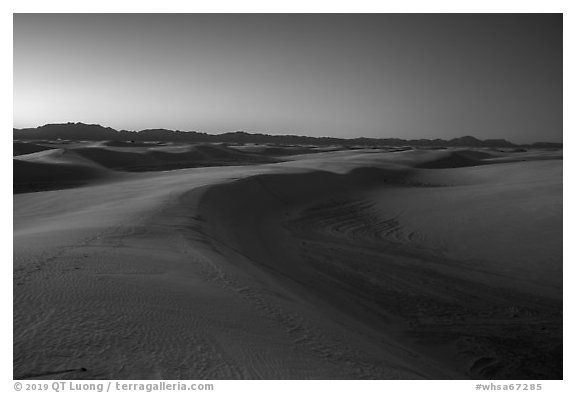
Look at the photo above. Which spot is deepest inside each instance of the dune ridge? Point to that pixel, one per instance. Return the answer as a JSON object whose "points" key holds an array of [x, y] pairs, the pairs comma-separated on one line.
{"points": [[338, 244]]}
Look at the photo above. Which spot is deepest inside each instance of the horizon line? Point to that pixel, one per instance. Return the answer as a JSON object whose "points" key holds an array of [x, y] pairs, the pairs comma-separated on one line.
{"points": [[293, 134]]}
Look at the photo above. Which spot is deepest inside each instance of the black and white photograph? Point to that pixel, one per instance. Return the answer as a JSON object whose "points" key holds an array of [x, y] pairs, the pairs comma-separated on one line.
{"points": [[288, 196]]}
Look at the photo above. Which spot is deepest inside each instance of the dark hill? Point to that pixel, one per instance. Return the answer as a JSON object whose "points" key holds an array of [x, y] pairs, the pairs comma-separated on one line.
{"points": [[95, 132]]}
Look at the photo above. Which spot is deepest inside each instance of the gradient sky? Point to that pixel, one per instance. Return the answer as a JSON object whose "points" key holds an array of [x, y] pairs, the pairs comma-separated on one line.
{"points": [[345, 75]]}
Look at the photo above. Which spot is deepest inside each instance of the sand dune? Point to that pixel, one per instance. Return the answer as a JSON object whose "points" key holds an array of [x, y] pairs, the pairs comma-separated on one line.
{"points": [[54, 169], [345, 264], [434, 260], [458, 159], [20, 148], [288, 150], [81, 163], [166, 157]]}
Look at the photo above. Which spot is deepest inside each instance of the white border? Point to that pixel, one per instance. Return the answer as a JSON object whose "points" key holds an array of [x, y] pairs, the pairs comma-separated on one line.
{"points": [[249, 6]]}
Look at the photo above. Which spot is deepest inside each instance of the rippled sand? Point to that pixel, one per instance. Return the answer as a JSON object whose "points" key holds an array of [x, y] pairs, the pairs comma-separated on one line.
{"points": [[333, 265]]}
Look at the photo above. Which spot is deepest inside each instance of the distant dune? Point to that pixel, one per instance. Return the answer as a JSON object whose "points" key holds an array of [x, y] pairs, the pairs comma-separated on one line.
{"points": [[64, 165], [289, 262], [21, 148], [458, 159]]}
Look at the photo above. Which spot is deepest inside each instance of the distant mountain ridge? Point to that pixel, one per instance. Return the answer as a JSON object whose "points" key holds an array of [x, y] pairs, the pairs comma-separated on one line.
{"points": [[96, 132]]}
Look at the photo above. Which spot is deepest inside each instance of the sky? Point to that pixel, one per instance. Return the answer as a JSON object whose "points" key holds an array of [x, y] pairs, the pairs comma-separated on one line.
{"points": [[345, 75]]}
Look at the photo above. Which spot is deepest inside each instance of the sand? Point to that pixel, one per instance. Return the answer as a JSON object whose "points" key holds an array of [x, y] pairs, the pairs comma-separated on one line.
{"points": [[346, 264]]}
